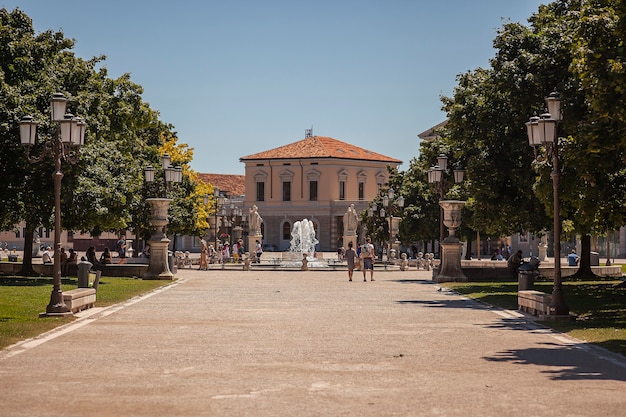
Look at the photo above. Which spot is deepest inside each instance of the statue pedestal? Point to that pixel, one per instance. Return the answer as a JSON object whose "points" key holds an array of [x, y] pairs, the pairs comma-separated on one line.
{"points": [[450, 269], [543, 252], [354, 238], [252, 243]]}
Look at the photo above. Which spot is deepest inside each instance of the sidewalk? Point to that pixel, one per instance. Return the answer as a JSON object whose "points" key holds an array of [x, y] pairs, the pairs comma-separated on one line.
{"points": [[274, 343]]}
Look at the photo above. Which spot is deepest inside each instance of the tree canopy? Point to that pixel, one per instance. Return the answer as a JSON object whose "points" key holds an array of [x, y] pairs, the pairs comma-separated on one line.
{"points": [[576, 47], [104, 191]]}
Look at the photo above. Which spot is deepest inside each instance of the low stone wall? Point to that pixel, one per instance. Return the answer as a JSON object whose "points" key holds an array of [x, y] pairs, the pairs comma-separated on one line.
{"points": [[113, 270], [566, 271]]}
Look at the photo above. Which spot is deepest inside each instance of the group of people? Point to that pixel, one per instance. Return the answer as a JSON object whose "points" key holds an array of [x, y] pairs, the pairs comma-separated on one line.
{"points": [[364, 255], [67, 258], [224, 252]]}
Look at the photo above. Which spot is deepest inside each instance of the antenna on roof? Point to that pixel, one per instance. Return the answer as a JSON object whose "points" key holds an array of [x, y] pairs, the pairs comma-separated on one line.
{"points": [[308, 132]]}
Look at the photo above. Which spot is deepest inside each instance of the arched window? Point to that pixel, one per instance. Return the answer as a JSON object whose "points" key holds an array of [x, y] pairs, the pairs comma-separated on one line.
{"points": [[286, 230]]}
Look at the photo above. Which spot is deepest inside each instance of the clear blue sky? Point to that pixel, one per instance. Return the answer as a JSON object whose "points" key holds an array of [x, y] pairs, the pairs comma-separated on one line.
{"points": [[236, 77]]}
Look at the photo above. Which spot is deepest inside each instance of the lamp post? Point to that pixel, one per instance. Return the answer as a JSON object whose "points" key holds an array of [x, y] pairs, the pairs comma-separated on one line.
{"points": [[436, 177], [231, 216], [389, 200], [68, 136], [218, 201], [158, 267], [542, 132]]}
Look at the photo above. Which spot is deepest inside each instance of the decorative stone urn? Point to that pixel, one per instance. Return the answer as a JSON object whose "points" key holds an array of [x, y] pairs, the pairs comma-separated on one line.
{"points": [[450, 269], [452, 217], [158, 267]]}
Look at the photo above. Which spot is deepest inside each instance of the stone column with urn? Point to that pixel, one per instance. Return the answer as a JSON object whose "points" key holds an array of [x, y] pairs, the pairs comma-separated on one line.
{"points": [[158, 267], [450, 269]]}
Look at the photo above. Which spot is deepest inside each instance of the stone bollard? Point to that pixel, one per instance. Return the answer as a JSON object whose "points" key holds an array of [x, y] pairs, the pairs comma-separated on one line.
{"points": [[404, 264], [246, 261], [83, 273]]}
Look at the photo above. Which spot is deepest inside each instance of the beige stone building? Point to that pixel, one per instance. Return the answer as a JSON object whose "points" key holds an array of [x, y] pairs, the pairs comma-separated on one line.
{"points": [[316, 178]]}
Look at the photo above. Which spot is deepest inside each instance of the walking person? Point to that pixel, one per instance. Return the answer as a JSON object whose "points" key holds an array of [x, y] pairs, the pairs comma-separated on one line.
{"points": [[350, 256], [367, 255], [258, 249], [121, 249], [204, 251]]}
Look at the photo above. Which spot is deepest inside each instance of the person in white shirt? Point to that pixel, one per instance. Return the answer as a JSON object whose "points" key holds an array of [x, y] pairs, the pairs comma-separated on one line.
{"points": [[46, 257], [367, 255]]}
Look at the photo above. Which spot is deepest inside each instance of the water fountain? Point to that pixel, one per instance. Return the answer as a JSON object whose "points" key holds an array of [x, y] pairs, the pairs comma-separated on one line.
{"points": [[302, 245]]}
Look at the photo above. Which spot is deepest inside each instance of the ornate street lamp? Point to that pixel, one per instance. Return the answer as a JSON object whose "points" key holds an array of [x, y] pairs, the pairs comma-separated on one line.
{"points": [[218, 200], [542, 132], [68, 136], [388, 201], [436, 177]]}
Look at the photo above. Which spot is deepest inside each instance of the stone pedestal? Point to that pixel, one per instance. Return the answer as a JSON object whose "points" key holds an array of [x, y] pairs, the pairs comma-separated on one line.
{"points": [[252, 244], [354, 238], [159, 268], [543, 248], [450, 269]]}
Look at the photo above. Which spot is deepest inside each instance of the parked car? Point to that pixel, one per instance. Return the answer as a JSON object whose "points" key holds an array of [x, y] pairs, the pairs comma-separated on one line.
{"points": [[269, 247]]}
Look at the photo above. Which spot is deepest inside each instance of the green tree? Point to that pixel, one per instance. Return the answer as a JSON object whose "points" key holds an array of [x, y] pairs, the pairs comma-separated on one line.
{"points": [[104, 190], [572, 46]]}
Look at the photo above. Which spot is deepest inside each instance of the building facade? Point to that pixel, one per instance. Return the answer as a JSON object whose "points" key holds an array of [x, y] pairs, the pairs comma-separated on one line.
{"points": [[317, 179]]}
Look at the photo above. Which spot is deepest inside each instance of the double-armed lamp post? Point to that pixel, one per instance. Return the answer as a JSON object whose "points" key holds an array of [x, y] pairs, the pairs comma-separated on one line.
{"points": [[68, 136], [218, 200], [389, 200], [436, 177], [542, 132]]}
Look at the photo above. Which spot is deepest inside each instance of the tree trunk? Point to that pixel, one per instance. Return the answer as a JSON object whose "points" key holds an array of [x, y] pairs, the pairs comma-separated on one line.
{"points": [[27, 260], [584, 270]]}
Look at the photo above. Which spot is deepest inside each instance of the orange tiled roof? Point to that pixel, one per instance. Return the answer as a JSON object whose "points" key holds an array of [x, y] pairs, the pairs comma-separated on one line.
{"points": [[231, 185], [320, 147]]}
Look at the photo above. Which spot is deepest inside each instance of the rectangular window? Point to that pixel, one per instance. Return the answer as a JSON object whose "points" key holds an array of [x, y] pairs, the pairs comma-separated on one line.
{"points": [[342, 190], [260, 191], [313, 190], [361, 191], [286, 190]]}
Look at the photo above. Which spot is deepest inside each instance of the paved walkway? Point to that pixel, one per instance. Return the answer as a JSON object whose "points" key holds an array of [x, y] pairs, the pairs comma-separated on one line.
{"points": [[307, 344]]}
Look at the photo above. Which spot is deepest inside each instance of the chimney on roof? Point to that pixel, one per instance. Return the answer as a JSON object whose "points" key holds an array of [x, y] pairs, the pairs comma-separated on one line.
{"points": [[308, 132]]}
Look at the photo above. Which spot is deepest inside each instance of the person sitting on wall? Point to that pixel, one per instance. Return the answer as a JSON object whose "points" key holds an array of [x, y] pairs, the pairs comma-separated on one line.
{"points": [[514, 263], [46, 257], [106, 257], [71, 260], [573, 258]]}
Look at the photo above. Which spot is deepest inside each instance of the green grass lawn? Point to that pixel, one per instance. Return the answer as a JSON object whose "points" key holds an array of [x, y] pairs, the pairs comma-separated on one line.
{"points": [[22, 299], [600, 308]]}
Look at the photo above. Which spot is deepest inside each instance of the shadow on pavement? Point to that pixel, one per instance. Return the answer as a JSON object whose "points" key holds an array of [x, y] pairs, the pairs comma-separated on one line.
{"points": [[413, 281], [570, 363], [446, 304]]}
